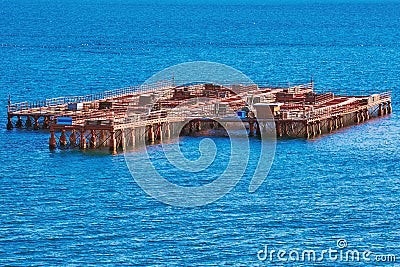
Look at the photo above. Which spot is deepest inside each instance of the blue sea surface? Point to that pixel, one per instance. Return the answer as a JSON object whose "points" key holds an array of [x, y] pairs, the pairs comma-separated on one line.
{"points": [[84, 208]]}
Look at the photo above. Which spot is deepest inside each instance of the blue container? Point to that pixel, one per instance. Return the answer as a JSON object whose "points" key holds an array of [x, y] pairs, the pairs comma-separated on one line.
{"points": [[241, 114], [64, 120]]}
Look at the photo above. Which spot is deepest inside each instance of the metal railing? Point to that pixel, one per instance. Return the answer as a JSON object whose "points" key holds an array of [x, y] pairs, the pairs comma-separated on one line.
{"points": [[54, 102], [345, 108]]}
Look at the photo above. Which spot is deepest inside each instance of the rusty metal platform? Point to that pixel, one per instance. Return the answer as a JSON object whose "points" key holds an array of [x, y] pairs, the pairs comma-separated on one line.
{"points": [[149, 111]]}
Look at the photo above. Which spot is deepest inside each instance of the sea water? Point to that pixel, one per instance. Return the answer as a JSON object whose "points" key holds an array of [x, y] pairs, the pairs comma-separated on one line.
{"points": [[84, 208]]}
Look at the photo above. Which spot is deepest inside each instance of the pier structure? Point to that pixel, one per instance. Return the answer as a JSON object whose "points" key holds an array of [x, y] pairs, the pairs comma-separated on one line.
{"points": [[121, 118]]}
